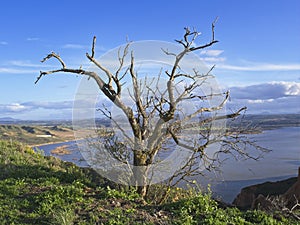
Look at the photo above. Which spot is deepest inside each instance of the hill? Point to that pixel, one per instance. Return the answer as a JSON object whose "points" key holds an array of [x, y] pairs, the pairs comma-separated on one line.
{"points": [[273, 121], [8, 120], [35, 189], [35, 134]]}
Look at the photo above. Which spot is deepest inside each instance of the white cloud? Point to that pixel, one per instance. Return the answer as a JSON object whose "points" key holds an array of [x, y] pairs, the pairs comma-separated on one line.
{"points": [[16, 71], [13, 108], [272, 90], [75, 46], [49, 105], [260, 101], [16, 107], [273, 97], [213, 59], [22, 67], [25, 63], [291, 88], [212, 56], [260, 67], [211, 53], [84, 47]]}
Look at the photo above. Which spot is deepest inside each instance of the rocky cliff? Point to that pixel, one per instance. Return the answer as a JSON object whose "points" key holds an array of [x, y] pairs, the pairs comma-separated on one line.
{"points": [[255, 196], [293, 193]]}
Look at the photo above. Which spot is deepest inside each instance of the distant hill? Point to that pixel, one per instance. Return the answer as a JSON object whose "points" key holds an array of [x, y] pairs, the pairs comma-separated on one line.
{"points": [[273, 121], [35, 135], [8, 119], [39, 132]]}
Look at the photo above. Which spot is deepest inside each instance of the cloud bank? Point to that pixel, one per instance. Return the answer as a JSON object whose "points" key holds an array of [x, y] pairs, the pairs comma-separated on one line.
{"points": [[30, 106], [273, 97], [260, 67], [272, 90]]}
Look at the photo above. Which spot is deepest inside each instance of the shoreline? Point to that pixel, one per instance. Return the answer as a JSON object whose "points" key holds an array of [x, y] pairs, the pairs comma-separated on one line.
{"points": [[50, 143]]}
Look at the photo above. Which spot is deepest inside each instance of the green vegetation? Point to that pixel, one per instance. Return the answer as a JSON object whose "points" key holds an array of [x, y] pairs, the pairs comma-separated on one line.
{"points": [[35, 189]]}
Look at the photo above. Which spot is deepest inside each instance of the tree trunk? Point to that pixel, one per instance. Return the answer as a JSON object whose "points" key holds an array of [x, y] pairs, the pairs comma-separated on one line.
{"points": [[140, 172]]}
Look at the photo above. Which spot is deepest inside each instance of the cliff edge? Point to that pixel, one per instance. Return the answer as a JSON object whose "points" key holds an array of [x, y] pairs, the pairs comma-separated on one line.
{"points": [[257, 196]]}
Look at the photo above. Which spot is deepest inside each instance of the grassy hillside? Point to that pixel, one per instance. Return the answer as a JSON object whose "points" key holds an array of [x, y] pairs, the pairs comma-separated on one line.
{"points": [[35, 189], [34, 134]]}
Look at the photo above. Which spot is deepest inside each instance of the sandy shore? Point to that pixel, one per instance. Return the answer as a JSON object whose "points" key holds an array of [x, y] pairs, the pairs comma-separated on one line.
{"points": [[51, 143]]}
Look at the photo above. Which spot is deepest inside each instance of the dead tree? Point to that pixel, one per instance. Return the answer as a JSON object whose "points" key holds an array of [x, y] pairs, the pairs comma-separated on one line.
{"points": [[164, 102]]}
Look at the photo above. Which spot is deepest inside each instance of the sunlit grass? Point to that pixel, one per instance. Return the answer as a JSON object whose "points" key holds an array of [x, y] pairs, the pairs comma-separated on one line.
{"points": [[35, 189]]}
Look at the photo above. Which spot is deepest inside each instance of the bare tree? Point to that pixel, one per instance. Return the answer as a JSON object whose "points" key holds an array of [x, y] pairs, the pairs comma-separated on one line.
{"points": [[149, 138]]}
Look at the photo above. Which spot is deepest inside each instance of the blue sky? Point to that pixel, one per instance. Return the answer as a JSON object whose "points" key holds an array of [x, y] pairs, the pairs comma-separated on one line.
{"points": [[258, 56]]}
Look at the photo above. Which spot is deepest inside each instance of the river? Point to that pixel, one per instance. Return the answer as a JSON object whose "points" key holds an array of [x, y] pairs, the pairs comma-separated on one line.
{"points": [[282, 162]]}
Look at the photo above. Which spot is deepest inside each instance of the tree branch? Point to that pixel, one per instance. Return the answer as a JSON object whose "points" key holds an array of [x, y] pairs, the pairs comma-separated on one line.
{"points": [[54, 55]]}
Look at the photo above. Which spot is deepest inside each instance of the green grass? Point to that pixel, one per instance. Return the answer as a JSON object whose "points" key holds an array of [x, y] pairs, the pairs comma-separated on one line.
{"points": [[35, 189]]}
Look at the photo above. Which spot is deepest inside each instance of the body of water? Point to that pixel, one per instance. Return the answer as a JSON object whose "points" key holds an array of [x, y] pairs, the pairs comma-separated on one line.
{"points": [[281, 163], [74, 156]]}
